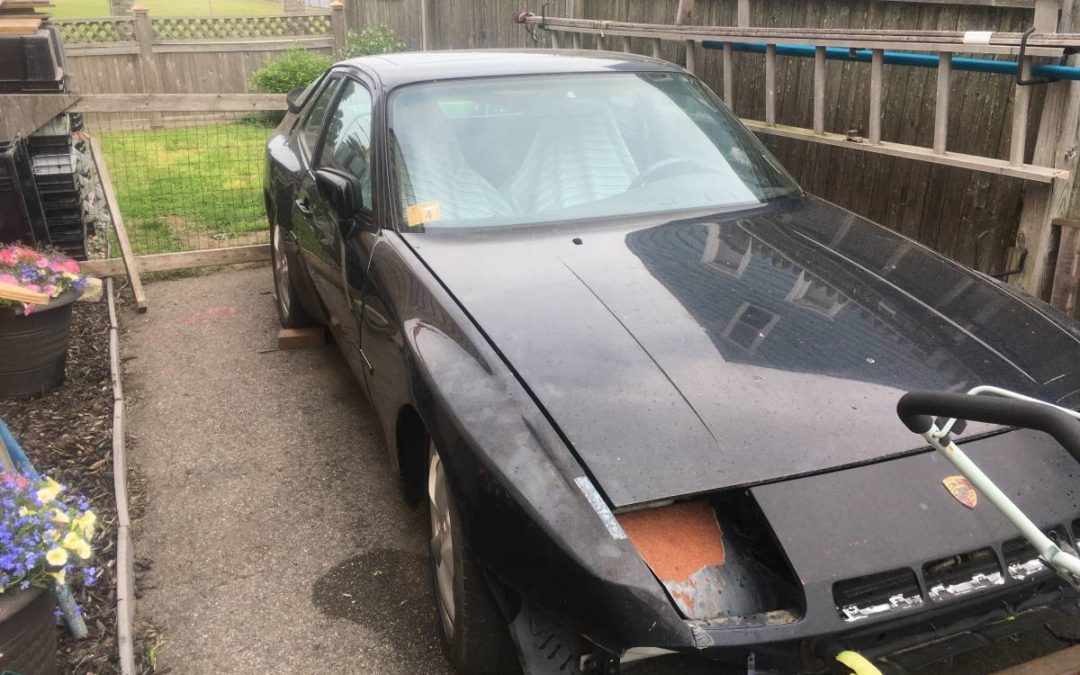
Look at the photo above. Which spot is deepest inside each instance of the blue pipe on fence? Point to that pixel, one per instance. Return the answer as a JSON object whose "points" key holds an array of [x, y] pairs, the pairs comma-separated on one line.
{"points": [[905, 59], [64, 598]]}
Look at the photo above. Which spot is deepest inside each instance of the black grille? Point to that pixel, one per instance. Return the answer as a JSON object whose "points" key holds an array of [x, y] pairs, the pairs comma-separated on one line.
{"points": [[875, 590], [963, 573]]}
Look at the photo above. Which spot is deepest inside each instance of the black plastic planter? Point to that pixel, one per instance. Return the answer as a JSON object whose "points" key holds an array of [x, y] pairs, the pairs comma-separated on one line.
{"points": [[33, 348], [28, 632]]}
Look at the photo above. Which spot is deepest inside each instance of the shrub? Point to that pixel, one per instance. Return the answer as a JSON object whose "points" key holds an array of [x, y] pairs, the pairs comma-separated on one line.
{"points": [[381, 40], [298, 67]]}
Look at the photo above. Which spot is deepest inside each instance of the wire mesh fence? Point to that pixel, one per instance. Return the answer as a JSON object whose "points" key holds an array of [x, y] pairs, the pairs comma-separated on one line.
{"points": [[186, 181]]}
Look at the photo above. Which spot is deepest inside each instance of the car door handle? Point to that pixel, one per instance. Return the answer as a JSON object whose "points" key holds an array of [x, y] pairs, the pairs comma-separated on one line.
{"points": [[303, 206]]}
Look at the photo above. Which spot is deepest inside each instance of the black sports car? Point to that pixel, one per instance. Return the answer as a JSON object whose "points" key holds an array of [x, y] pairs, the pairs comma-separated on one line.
{"points": [[645, 384]]}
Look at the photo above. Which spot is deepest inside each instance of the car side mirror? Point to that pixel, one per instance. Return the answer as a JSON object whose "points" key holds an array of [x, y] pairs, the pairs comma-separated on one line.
{"points": [[292, 99], [341, 192]]}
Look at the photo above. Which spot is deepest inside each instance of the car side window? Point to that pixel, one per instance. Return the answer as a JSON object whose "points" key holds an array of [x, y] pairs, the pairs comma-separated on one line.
{"points": [[348, 137], [314, 122]]}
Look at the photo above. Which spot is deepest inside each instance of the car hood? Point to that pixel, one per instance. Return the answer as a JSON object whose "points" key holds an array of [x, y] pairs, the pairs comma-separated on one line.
{"points": [[693, 355]]}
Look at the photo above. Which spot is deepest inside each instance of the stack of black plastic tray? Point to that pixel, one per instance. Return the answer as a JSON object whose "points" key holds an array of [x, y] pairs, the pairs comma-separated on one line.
{"points": [[32, 64], [22, 218], [56, 172], [45, 165]]}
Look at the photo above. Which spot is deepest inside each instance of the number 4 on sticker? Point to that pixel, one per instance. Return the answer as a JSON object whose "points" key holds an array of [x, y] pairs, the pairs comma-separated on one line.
{"points": [[424, 212]]}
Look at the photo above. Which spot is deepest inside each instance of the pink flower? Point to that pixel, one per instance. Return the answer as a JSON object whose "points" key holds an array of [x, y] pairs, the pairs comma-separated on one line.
{"points": [[51, 291], [8, 279], [42, 262]]}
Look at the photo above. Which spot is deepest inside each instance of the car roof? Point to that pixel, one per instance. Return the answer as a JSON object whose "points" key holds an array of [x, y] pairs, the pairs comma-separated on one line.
{"points": [[409, 67]]}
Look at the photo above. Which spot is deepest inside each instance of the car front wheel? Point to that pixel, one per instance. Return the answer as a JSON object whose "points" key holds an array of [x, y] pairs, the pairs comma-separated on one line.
{"points": [[475, 635]]}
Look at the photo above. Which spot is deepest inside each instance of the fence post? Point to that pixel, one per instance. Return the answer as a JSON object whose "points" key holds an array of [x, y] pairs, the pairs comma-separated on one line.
{"points": [[144, 33], [1058, 136], [337, 25]]}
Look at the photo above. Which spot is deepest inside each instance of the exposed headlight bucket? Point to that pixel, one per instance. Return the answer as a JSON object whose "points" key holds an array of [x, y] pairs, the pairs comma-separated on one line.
{"points": [[716, 558]]}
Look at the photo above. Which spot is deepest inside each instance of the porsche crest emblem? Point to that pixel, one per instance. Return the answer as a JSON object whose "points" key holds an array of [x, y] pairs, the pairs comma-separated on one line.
{"points": [[961, 490]]}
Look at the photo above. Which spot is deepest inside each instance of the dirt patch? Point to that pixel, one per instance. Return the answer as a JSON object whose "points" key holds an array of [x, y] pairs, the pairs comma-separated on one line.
{"points": [[68, 435]]}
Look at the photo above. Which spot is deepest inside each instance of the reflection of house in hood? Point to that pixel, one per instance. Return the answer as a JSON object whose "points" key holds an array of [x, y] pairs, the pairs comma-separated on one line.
{"points": [[790, 291], [698, 355]]}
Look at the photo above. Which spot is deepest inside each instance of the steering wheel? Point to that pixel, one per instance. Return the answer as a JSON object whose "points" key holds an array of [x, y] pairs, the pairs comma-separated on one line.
{"points": [[668, 168]]}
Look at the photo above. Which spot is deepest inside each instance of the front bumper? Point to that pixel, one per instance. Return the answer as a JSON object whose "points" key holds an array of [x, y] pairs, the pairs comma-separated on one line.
{"points": [[913, 641]]}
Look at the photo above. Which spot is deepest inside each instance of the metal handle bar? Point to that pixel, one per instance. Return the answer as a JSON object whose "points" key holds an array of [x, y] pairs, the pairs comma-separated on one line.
{"points": [[918, 408]]}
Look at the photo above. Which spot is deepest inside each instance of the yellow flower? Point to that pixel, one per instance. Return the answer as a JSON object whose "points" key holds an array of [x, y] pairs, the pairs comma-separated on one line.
{"points": [[76, 545], [23, 512], [59, 576], [60, 517], [86, 523], [57, 557], [48, 493]]}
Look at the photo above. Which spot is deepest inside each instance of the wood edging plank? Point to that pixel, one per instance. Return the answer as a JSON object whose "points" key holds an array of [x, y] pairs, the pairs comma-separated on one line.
{"points": [[164, 262], [125, 554]]}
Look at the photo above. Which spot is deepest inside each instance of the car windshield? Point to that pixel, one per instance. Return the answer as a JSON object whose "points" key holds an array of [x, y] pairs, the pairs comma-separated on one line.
{"points": [[517, 151]]}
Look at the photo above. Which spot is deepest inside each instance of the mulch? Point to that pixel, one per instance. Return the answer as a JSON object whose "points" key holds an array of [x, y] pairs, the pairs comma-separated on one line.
{"points": [[68, 435]]}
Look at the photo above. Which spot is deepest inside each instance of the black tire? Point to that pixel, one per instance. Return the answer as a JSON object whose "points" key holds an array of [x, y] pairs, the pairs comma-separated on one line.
{"points": [[289, 306], [475, 635]]}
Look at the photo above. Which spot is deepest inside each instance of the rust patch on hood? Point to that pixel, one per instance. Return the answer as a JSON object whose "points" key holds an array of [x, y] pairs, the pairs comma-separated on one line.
{"points": [[678, 540]]}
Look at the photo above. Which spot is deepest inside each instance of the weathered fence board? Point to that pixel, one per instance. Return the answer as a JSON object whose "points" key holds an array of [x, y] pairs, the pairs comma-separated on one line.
{"points": [[967, 215], [180, 55]]}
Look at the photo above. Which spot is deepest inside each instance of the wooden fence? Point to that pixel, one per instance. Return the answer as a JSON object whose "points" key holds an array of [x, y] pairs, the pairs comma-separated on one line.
{"points": [[187, 55], [974, 217]]}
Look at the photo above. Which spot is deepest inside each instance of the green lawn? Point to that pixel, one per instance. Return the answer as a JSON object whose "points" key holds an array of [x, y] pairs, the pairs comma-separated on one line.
{"points": [[78, 9], [189, 188]]}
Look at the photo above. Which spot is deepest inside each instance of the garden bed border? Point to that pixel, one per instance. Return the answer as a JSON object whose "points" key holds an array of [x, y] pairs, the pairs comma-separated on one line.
{"points": [[125, 557]]}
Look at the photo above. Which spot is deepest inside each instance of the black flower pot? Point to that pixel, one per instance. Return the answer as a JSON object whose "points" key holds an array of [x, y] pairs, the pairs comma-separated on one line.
{"points": [[28, 632], [33, 348]]}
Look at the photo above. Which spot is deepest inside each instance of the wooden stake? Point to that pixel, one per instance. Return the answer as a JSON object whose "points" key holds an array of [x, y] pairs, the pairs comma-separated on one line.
{"points": [[118, 225]]}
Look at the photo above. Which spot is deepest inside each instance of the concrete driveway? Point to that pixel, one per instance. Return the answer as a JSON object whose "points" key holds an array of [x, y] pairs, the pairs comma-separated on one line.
{"points": [[277, 538]]}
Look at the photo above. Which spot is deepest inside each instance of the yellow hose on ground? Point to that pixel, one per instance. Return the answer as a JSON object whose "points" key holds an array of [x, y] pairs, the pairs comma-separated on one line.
{"points": [[859, 664]]}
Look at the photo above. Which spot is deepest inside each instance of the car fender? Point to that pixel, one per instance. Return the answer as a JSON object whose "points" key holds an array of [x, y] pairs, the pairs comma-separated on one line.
{"points": [[532, 515]]}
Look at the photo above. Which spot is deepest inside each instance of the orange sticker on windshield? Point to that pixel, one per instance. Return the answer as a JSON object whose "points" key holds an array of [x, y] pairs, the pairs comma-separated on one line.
{"points": [[421, 213]]}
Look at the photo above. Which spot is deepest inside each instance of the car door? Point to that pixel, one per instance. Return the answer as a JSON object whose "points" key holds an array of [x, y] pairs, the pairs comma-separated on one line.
{"points": [[316, 230], [346, 148]]}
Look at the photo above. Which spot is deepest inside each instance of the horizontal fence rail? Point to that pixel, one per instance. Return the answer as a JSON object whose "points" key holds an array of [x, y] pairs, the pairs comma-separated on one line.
{"points": [[877, 41]]}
